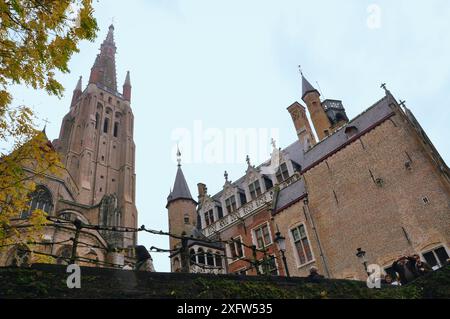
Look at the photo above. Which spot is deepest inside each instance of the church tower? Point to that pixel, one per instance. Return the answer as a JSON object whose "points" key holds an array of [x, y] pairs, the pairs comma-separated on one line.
{"points": [[97, 147], [182, 208]]}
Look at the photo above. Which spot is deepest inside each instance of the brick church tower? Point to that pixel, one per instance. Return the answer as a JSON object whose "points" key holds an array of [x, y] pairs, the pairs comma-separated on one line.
{"points": [[97, 147]]}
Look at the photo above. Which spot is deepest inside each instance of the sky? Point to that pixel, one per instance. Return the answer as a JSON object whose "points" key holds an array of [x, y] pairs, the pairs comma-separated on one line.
{"points": [[206, 71]]}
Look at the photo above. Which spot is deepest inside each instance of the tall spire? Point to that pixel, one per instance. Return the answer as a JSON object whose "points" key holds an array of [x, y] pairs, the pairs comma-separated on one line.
{"points": [[103, 73]]}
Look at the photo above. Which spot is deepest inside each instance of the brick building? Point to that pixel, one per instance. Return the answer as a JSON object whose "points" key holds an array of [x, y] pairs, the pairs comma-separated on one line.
{"points": [[375, 182]]}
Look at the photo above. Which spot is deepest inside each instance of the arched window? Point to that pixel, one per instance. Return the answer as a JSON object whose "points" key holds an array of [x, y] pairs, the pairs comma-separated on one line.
{"points": [[64, 255], [97, 120], [20, 256], [116, 129], [106, 125], [41, 199], [193, 258], [210, 258], [201, 256]]}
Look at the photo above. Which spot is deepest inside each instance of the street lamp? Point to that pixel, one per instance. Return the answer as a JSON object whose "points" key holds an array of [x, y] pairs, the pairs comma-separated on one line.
{"points": [[281, 244], [361, 254]]}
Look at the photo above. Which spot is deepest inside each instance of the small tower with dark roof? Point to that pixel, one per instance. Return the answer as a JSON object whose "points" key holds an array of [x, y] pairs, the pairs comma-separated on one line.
{"points": [[319, 118], [182, 208]]}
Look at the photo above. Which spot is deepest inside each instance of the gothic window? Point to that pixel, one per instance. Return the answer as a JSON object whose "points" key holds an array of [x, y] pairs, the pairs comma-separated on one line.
{"points": [[302, 245], [116, 129], [268, 183], [41, 199], [209, 217], [201, 256], [262, 236], [97, 120], [64, 255], [106, 125], [209, 258], [230, 203], [283, 173], [255, 189], [193, 258], [236, 248], [243, 198], [20, 256], [218, 260]]}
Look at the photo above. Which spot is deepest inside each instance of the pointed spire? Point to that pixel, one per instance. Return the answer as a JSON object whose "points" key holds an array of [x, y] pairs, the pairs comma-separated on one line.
{"points": [[127, 87], [79, 84], [306, 86], [103, 72], [77, 92], [127, 79], [180, 188], [110, 36]]}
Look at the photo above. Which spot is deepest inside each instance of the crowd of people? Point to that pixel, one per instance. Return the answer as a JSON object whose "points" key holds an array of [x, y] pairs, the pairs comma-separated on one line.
{"points": [[406, 269]]}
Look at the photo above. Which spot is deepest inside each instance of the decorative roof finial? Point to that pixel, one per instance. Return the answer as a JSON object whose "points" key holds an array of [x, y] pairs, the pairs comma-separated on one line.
{"points": [[300, 69], [383, 86], [274, 143], [178, 156], [226, 176], [248, 161]]}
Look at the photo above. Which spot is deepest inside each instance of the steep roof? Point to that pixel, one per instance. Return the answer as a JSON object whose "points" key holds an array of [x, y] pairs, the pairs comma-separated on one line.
{"points": [[180, 188], [307, 87]]}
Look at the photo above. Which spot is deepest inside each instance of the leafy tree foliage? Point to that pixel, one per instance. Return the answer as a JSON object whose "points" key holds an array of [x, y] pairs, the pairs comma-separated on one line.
{"points": [[37, 39]]}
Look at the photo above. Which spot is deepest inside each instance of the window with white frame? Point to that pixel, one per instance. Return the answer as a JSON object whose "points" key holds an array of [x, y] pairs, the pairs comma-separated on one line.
{"points": [[262, 236], [269, 266], [236, 249], [302, 245], [282, 173], [230, 203], [255, 189], [209, 217], [436, 257]]}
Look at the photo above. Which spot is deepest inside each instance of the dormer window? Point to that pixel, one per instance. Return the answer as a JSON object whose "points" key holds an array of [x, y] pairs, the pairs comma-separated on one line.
{"points": [[209, 217], [283, 173], [230, 203], [351, 131], [255, 189]]}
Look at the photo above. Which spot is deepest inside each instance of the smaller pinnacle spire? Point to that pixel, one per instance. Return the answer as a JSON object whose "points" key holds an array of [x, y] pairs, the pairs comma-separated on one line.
{"points": [[306, 86], [127, 79], [79, 84], [248, 161], [226, 176]]}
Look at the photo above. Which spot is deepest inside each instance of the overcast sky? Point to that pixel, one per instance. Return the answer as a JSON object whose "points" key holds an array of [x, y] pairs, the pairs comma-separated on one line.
{"points": [[205, 68]]}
